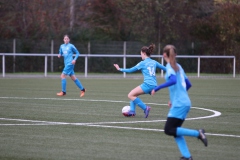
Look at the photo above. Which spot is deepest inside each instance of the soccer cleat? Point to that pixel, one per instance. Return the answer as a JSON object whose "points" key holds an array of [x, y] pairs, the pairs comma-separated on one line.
{"points": [[183, 158], [61, 93], [82, 93], [147, 110], [129, 114], [203, 137]]}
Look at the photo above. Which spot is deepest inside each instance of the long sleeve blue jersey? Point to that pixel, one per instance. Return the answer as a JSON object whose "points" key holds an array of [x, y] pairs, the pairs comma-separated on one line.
{"points": [[148, 68], [67, 51]]}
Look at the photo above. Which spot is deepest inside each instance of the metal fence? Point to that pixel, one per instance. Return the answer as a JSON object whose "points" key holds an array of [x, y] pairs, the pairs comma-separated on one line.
{"points": [[32, 56], [124, 58]]}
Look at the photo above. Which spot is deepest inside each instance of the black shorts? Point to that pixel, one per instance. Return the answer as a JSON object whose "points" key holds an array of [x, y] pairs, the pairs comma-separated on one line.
{"points": [[171, 126]]}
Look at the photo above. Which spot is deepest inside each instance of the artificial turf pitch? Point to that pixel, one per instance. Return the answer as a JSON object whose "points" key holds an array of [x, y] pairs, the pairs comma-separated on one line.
{"points": [[36, 124]]}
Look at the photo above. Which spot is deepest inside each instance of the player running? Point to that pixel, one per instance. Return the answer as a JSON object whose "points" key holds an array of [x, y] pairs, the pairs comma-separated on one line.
{"points": [[180, 104], [148, 68]]}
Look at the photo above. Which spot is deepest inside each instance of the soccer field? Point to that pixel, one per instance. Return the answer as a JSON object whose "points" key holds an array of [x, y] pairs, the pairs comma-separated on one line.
{"points": [[36, 124]]}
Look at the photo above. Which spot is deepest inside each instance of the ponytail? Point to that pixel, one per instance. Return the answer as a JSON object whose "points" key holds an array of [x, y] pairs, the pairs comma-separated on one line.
{"points": [[172, 59], [148, 50], [170, 50]]}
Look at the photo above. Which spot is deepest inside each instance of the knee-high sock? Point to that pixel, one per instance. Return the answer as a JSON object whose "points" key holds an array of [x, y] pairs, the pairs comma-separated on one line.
{"points": [[139, 102], [78, 83], [132, 106], [187, 132], [64, 84], [182, 146]]}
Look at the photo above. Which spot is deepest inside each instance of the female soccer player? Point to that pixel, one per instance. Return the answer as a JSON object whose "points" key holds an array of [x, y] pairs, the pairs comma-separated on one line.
{"points": [[67, 50], [178, 84], [148, 67]]}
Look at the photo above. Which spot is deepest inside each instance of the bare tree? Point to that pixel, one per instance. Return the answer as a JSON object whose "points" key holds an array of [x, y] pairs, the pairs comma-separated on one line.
{"points": [[72, 2]]}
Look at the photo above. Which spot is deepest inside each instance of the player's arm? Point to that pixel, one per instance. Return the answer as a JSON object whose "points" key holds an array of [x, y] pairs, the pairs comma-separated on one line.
{"points": [[60, 52], [162, 67], [76, 52], [172, 80], [188, 84], [130, 70], [187, 81]]}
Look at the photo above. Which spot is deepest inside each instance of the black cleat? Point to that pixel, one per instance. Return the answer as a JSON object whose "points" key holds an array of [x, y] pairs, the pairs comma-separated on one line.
{"points": [[203, 137]]}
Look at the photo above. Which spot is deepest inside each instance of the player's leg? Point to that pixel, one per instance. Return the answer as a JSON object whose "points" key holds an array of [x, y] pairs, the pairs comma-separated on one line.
{"points": [[132, 111], [171, 129], [64, 84], [183, 148], [181, 113], [78, 84], [133, 95], [171, 126], [200, 134]]}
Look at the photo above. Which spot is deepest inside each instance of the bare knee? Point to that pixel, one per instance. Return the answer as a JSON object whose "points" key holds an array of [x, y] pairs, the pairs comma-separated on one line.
{"points": [[135, 92], [131, 96], [63, 76], [73, 77]]}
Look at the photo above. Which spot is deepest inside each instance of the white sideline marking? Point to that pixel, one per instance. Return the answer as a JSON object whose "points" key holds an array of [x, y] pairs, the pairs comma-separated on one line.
{"points": [[118, 127], [103, 124], [223, 135], [66, 99], [216, 113], [25, 124]]}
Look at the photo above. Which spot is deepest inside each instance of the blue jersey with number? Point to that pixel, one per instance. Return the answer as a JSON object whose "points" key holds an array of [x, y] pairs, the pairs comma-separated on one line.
{"points": [[67, 51], [148, 68], [178, 92]]}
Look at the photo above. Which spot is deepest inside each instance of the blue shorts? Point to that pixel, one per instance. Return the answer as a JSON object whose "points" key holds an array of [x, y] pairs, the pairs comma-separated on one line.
{"points": [[68, 70], [147, 89], [179, 112]]}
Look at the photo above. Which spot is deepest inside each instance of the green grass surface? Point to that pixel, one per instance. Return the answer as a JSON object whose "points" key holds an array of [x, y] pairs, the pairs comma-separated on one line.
{"points": [[36, 124]]}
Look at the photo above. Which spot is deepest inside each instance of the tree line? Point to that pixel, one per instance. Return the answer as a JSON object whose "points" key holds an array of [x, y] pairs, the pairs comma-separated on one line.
{"points": [[213, 25]]}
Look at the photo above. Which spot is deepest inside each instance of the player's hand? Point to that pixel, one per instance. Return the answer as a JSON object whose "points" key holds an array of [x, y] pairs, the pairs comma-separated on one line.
{"points": [[169, 104], [116, 66], [73, 62], [153, 92], [59, 55]]}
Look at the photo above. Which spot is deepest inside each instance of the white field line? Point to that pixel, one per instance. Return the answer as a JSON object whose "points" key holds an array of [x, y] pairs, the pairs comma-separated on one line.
{"points": [[66, 99], [116, 127], [216, 113], [103, 124], [158, 130]]}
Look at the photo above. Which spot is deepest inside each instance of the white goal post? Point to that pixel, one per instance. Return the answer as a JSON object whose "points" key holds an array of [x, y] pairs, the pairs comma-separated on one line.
{"points": [[124, 56]]}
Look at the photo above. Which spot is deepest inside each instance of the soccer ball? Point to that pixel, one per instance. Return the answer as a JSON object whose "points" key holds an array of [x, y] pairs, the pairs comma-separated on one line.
{"points": [[125, 110]]}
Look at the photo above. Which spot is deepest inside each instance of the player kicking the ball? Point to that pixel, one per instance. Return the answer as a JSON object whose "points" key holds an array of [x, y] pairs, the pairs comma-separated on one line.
{"points": [[148, 67]]}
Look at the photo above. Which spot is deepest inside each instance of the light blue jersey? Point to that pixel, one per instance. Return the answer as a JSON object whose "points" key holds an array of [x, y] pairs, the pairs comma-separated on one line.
{"points": [[148, 68], [67, 51], [178, 92]]}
